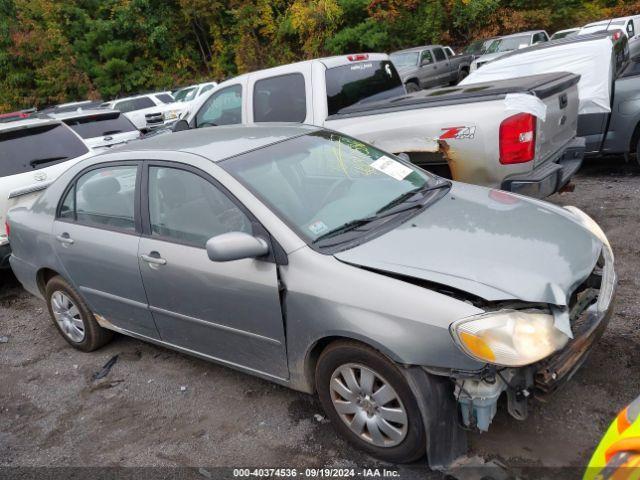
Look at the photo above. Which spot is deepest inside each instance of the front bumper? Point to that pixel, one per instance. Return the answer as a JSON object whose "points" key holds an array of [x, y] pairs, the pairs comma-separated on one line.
{"points": [[551, 176]]}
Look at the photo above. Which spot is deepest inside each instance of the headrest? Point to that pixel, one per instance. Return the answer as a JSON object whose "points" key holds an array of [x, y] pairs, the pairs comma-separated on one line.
{"points": [[101, 187]]}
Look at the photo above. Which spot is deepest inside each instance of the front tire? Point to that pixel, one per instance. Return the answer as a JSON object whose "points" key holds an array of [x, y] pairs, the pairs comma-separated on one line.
{"points": [[369, 402], [72, 317], [412, 87]]}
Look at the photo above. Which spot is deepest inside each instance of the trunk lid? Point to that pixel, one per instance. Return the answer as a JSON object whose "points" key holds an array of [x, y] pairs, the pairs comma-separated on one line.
{"points": [[489, 243]]}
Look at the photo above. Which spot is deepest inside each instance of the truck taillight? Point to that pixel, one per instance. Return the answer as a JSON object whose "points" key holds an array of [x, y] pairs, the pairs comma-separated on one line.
{"points": [[518, 139], [358, 57], [7, 228], [617, 34]]}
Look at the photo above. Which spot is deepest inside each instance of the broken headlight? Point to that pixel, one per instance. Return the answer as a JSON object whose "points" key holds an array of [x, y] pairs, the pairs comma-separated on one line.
{"points": [[590, 224], [511, 338]]}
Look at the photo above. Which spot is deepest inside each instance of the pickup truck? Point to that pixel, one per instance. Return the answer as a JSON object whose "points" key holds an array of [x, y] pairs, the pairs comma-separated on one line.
{"points": [[609, 112], [430, 66], [149, 112], [468, 130]]}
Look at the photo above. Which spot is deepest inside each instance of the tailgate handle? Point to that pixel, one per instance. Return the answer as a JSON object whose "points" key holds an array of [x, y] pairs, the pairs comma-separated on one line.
{"points": [[563, 101]]}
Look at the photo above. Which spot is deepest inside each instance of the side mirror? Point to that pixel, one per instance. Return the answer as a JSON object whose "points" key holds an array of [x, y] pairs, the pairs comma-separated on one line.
{"points": [[235, 246], [180, 125]]}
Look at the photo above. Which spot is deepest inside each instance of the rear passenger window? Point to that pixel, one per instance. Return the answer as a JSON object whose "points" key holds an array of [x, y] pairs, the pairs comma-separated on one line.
{"points": [[280, 99], [439, 54], [185, 207], [104, 197]]}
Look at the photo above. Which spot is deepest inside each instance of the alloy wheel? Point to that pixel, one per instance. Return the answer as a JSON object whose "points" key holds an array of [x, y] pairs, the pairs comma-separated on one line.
{"points": [[368, 405], [67, 315]]}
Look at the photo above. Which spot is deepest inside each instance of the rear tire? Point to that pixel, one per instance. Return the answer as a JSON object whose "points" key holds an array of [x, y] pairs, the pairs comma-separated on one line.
{"points": [[72, 317], [462, 74], [369, 402], [412, 87]]}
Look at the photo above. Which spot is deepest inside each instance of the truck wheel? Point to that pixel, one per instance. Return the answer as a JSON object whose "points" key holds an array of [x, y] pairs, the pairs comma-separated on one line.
{"points": [[412, 87], [462, 74], [370, 403], [72, 317]]}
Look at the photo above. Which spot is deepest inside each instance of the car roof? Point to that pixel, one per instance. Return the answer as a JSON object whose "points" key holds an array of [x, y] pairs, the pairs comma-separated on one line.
{"points": [[528, 32], [417, 49], [95, 112], [27, 123], [560, 41], [219, 143]]}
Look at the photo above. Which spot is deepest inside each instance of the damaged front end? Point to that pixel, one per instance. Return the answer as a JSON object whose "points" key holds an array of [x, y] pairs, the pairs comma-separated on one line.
{"points": [[588, 313]]}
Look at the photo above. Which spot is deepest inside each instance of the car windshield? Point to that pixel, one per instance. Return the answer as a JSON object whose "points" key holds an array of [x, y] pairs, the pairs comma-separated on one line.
{"points": [[508, 44], [165, 98], [477, 47], [100, 125], [323, 183], [559, 35], [33, 148], [401, 60], [185, 94]]}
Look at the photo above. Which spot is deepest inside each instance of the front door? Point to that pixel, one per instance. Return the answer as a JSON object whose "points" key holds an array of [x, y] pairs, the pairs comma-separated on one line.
{"points": [[97, 235], [228, 311]]}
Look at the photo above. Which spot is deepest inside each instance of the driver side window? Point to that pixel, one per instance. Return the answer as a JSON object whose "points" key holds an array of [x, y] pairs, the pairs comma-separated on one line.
{"points": [[185, 207], [222, 108]]}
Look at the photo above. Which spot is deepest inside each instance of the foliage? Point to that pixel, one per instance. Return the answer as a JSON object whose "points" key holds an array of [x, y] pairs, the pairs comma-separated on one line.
{"points": [[61, 50]]}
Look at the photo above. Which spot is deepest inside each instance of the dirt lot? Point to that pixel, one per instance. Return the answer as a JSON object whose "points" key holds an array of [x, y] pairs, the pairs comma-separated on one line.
{"points": [[160, 408]]}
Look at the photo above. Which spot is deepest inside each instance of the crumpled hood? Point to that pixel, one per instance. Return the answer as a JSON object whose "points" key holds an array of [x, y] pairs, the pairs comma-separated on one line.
{"points": [[489, 243]]}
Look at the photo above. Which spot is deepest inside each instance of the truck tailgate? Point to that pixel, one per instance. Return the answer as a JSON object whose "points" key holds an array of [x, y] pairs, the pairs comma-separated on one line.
{"points": [[561, 124]]}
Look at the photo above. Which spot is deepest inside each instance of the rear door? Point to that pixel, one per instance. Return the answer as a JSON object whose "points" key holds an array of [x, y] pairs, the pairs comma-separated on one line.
{"points": [[428, 70], [442, 66], [97, 231], [228, 311]]}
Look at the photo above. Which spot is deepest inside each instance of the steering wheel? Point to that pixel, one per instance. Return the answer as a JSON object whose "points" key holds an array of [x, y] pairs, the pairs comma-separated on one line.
{"points": [[345, 184]]}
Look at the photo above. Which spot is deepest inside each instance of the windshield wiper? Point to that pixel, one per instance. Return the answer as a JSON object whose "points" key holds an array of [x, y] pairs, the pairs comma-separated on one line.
{"points": [[385, 211], [39, 161], [411, 193]]}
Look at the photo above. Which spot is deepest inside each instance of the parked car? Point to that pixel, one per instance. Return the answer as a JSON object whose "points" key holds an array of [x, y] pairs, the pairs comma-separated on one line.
{"points": [[628, 26], [324, 264], [429, 66], [509, 43], [147, 112], [100, 128], [33, 152], [478, 47], [192, 92], [449, 51], [609, 114], [70, 107], [568, 32], [18, 115], [471, 134]]}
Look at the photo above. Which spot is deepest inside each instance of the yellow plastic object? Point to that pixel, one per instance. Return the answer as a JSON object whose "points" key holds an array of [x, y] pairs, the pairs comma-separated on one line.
{"points": [[618, 454], [477, 346]]}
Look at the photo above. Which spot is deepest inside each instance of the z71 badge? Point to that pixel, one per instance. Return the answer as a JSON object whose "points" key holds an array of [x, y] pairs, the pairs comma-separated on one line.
{"points": [[458, 132]]}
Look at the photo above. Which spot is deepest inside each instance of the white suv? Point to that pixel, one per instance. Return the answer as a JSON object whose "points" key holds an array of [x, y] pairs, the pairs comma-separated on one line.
{"points": [[100, 128], [149, 111], [33, 153]]}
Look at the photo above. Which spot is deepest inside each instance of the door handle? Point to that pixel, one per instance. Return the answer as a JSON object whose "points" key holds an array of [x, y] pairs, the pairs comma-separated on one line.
{"points": [[65, 239], [154, 258]]}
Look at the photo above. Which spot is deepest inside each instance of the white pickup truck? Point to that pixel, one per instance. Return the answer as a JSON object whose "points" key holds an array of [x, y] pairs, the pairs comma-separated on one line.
{"points": [[486, 134]]}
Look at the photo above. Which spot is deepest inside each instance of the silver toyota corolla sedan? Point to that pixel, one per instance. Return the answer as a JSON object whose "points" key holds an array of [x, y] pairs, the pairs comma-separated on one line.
{"points": [[407, 302]]}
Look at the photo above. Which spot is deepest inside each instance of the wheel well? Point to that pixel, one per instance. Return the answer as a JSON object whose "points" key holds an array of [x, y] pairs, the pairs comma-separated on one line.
{"points": [[42, 278], [318, 348], [634, 139], [412, 80]]}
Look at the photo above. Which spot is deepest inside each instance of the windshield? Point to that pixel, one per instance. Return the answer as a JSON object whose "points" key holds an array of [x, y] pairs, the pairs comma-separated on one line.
{"points": [[401, 60], [361, 83], [509, 44], [165, 98], [37, 147], [100, 125], [185, 94], [323, 181], [477, 47], [559, 35]]}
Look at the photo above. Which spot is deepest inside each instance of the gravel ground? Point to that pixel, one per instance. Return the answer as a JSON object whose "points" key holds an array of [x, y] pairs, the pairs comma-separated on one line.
{"points": [[164, 409]]}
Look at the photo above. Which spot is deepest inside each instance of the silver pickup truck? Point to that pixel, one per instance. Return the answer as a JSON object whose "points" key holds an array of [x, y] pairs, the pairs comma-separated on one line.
{"points": [[430, 66], [470, 131]]}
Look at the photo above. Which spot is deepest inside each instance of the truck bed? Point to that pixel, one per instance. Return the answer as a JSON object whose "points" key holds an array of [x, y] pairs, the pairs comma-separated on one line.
{"points": [[542, 86]]}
